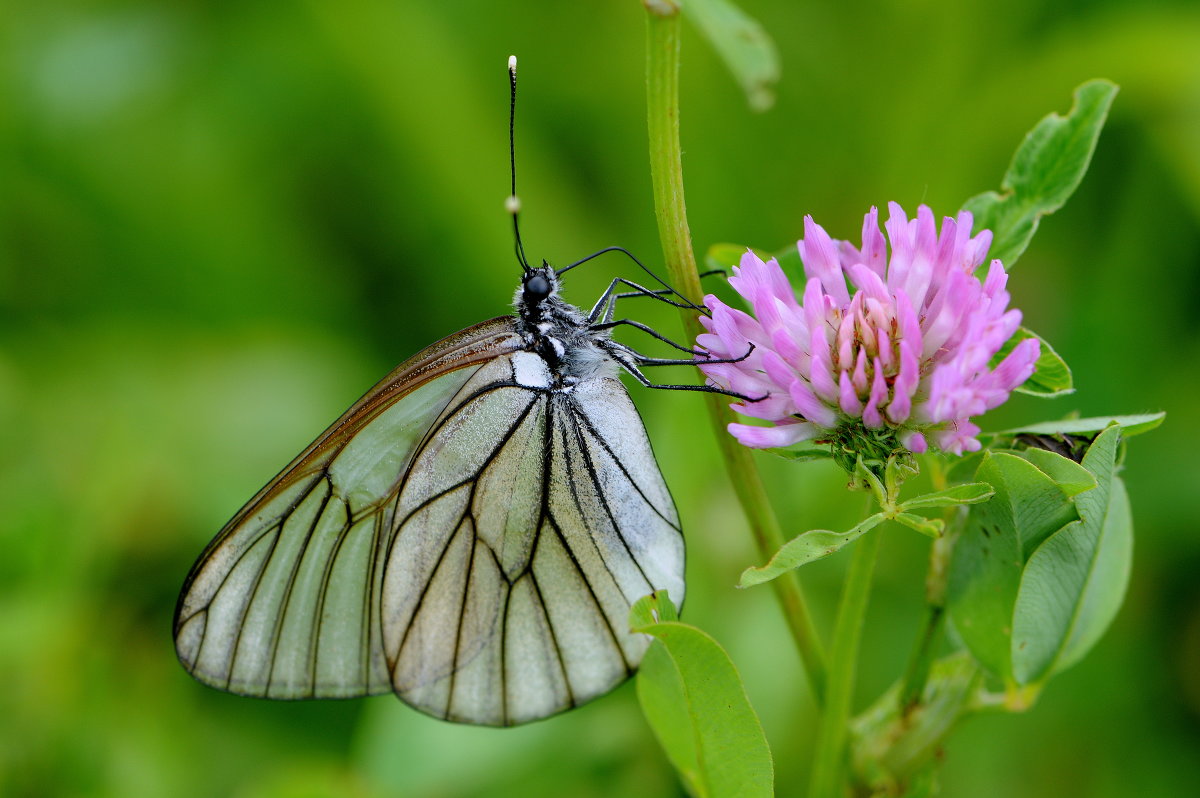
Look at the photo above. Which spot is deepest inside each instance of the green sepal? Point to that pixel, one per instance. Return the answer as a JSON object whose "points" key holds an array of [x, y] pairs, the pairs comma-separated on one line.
{"points": [[802, 454]]}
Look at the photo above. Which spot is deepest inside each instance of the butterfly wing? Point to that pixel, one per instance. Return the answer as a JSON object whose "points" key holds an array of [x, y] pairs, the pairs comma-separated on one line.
{"points": [[530, 522], [464, 536], [285, 601]]}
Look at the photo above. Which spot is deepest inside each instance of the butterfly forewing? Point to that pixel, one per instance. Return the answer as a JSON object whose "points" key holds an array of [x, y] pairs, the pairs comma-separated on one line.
{"points": [[285, 601]]}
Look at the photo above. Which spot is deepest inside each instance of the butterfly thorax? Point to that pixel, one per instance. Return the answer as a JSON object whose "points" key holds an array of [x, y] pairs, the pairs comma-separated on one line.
{"points": [[559, 332]]}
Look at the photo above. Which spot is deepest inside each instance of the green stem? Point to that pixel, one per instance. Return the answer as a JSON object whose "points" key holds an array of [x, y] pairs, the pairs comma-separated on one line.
{"points": [[828, 775], [917, 672], [666, 172], [916, 675]]}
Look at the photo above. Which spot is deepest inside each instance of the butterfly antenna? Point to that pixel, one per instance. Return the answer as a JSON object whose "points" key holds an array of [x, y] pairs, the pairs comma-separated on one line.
{"points": [[513, 203]]}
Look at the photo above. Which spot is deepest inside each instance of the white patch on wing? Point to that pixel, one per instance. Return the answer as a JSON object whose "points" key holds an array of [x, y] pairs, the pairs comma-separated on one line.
{"points": [[530, 370]]}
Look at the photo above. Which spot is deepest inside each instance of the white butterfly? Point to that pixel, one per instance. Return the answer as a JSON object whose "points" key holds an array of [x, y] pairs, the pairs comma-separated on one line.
{"points": [[470, 534]]}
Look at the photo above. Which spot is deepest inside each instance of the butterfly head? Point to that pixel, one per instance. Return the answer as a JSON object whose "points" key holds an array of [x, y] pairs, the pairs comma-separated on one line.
{"points": [[537, 286]]}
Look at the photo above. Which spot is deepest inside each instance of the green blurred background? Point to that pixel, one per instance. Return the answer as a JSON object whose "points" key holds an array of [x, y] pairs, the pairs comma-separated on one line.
{"points": [[221, 222]]}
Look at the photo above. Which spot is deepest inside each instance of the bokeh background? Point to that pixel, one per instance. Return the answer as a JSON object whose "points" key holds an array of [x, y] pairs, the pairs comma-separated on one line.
{"points": [[221, 222]]}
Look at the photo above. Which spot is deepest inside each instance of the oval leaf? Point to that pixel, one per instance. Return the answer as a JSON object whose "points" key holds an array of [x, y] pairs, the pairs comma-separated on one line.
{"points": [[1075, 581], [805, 548], [990, 553], [694, 700], [742, 44], [1045, 171]]}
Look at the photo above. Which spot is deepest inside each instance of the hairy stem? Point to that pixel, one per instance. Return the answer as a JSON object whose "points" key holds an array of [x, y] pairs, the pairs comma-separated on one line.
{"points": [[829, 758], [666, 172]]}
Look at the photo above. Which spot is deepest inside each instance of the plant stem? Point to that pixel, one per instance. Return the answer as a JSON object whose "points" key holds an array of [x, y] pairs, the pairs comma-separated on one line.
{"points": [[666, 172], [917, 672], [916, 675], [828, 775]]}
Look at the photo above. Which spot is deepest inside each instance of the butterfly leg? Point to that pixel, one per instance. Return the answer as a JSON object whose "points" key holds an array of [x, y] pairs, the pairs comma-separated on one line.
{"points": [[606, 305], [609, 299], [645, 360], [608, 325], [633, 361]]}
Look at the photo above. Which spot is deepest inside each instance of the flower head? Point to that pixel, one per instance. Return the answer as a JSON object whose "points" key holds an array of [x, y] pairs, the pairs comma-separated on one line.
{"points": [[892, 349]]}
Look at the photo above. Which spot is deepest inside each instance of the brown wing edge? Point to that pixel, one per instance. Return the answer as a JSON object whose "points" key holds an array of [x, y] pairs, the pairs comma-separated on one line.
{"points": [[475, 344]]}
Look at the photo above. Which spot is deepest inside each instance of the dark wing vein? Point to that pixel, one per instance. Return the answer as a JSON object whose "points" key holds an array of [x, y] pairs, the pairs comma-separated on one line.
{"points": [[562, 665], [587, 422], [588, 464], [322, 594], [471, 480], [583, 513], [287, 595], [436, 428], [249, 603], [312, 471], [462, 606]]}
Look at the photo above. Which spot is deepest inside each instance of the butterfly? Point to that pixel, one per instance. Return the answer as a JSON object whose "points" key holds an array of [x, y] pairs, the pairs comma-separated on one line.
{"points": [[469, 535]]}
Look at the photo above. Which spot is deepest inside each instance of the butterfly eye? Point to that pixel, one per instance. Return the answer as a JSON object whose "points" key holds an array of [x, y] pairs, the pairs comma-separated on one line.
{"points": [[537, 288]]}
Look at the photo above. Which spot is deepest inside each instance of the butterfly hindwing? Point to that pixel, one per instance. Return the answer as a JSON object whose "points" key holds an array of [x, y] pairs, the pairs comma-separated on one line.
{"points": [[521, 544]]}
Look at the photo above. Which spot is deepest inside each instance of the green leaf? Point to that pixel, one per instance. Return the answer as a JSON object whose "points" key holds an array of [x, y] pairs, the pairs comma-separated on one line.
{"points": [[724, 256], [805, 548], [989, 555], [654, 608], [694, 700], [1075, 581], [1045, 171], [1130, 425], [743, 44], [930, 527], [1072, 477], [1051, 376], [970, 493], [789, 261]]}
